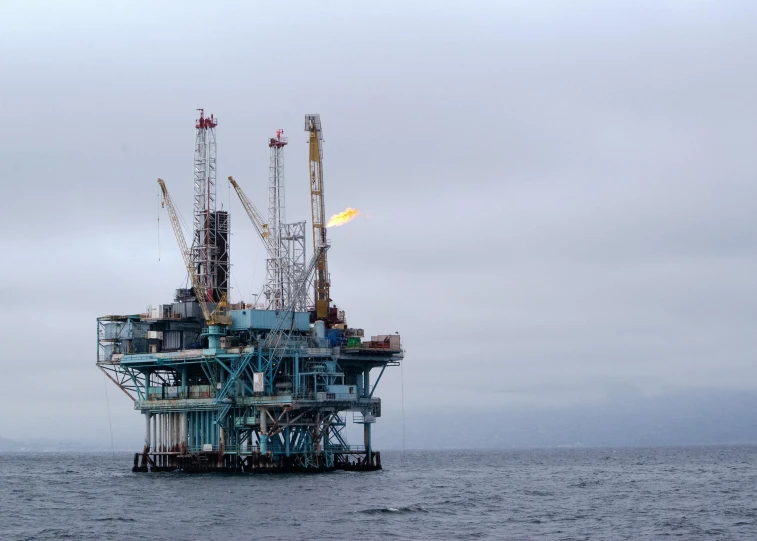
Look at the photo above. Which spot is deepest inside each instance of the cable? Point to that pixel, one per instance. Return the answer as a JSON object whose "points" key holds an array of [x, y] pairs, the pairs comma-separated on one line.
{"points": [[241, 295], [254, 268], [159, 207], [402, 380], [110, 425]]}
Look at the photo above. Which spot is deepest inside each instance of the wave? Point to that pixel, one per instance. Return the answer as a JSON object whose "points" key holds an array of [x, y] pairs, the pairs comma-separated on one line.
{"points": [[408, 509]]}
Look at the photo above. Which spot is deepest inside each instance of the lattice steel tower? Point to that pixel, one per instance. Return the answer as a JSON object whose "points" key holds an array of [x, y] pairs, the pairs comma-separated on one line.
{"points": [[276, 270], [321, 281], [210, 243]]}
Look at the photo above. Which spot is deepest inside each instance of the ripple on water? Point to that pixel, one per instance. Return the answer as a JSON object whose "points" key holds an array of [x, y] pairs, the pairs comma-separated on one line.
{"points": [[539, 494]]}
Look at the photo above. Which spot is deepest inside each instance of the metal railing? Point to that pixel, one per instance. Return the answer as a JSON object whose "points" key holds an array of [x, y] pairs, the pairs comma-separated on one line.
{"points": [[339, 448], [325, 396]]}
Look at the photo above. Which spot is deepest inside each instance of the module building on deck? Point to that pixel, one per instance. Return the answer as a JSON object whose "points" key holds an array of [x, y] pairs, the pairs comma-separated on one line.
{"points": [[239, 397]]}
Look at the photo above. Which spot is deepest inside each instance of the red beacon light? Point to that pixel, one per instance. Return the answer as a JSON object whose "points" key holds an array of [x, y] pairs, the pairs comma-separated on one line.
{"points": [[203, 122]]}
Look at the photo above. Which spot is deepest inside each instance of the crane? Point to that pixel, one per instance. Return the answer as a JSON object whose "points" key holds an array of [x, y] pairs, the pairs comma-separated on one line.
{"points": [[257, 220], [214, 318], [321, 280], [263, 231]]}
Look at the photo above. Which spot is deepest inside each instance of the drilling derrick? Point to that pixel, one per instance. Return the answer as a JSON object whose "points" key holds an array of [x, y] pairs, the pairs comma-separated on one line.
{"points": [[275, 275], [321, 281], [210, 245]]}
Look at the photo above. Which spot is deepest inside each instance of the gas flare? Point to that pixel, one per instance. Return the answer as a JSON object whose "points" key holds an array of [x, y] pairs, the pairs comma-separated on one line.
{"points": [[343, 217]]}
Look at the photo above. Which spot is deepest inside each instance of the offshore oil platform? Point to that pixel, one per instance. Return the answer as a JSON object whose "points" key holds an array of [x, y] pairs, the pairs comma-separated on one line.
{"points": [[255, 387]]}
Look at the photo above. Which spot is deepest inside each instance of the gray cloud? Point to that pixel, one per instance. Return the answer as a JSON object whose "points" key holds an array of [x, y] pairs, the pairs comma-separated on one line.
{"points": [[559, 197]]}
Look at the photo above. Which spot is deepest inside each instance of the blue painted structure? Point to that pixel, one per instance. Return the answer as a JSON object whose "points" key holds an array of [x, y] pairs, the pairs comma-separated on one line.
{"points": [[235, 398], [267, 319]]}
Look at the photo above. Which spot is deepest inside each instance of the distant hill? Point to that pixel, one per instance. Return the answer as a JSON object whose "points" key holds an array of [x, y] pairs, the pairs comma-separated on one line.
{"points": [[43, 445], [692, 417], [9, 445]]}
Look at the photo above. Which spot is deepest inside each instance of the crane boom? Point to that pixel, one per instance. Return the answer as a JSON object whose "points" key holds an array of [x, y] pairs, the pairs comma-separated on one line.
{"points": [[321, 281], [200, 293], [263, 231], [257, 220]]}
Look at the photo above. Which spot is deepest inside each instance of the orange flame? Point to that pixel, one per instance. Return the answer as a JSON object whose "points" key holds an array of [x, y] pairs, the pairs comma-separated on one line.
{"points": [[343, 217]]}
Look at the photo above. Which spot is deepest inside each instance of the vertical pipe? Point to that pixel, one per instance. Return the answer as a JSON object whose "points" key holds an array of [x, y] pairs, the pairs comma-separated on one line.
{"points": [[220, 446], [367, 441], [154, 434], [184, 383], [287, 438], [296, 375], [263, 432], [164, 422], [184, 432], [366, 382], [317, 433], [147, 430]]}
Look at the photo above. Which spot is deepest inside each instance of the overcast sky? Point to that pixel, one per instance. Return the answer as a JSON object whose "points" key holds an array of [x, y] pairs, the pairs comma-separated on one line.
{"points": [[559, 196]]}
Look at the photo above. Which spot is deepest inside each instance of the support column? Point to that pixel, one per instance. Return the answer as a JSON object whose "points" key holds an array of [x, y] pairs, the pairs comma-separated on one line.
{"points": [[366, 382], [221, 437], [184, 383], [367, 443], [154, 432], [147, 383], [317, 434], [296, 373], [147, 431], [196, 425], [263, 431], [183, 434]]}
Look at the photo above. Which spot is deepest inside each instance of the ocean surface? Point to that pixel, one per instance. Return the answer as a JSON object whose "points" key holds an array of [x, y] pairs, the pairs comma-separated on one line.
{"points": [[634, 493]]}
